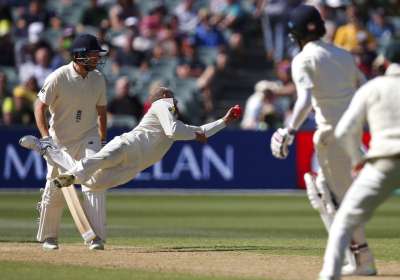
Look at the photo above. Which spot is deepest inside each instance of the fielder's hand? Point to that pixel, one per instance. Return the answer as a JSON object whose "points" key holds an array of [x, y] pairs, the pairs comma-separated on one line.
{"points": [[280, 142], [233, 114], [201, 137]]}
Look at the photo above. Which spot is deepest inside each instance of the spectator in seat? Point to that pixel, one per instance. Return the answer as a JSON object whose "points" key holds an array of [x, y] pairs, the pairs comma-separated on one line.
{"points": [[128, 55], [19, 108], [40, 68], [233, 20], [207, 33], [94, 14], [7, 57], [187, 16], [353, 35], [379, 27], [260, 111], [124, 103]]}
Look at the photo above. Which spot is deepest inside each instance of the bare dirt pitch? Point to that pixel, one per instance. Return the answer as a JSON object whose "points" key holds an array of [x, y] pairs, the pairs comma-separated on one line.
{"points": [[239, 264]]}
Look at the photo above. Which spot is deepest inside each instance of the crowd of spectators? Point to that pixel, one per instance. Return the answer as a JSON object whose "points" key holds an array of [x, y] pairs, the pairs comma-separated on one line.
{"points": [[362, 27], [182, 44]]}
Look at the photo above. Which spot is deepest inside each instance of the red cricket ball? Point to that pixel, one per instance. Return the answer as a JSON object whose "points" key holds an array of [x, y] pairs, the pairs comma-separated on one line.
{"points": [[237, 111]]}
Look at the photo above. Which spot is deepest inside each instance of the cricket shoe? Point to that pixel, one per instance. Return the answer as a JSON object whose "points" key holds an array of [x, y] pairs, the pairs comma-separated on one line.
{"points": [[96, 244], [63, 180], [364, 260], [33, 143], [367, 269], [50, 244]]}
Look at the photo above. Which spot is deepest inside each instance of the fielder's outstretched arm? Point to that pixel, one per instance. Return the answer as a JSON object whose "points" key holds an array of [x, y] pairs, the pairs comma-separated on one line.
{"points": [[177, 130]]}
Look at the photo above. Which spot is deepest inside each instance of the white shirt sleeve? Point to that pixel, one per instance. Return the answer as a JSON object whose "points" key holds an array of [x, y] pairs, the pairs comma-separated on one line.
{"points": [[103, 94], [173, 128], [177, 130], [350, 127], [48, 92], [212, 128], [302, 73], [301, 109]]}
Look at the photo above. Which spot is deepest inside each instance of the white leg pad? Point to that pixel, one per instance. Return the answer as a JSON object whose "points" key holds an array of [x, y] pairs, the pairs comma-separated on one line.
{"points": [[94, 204], [319, 195], [51, 209]]}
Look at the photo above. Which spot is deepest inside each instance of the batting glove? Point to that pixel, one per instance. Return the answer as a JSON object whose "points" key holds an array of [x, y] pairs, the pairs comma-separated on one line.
{"points": [[47, 142], [280, 141]]}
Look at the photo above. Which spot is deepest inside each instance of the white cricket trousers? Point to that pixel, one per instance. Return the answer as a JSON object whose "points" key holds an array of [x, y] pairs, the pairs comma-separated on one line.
{"points": [[115, 164], [52, 203], [373, 186], [335, 165]]}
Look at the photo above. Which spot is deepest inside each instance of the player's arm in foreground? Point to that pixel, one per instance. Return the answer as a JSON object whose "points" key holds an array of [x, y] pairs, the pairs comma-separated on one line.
{"points": [[350, 127]]}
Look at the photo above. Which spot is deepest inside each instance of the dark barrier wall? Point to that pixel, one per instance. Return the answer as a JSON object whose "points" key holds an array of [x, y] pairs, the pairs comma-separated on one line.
{"points": [[231, 160]]}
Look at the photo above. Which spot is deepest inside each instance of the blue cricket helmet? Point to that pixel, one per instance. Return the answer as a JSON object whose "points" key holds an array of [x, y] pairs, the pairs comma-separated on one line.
{"points": [[85, 43], [305, 21]]}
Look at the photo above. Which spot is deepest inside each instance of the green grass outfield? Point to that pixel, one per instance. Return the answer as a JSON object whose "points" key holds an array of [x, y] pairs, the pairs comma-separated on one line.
{"points": [[253, 223]]}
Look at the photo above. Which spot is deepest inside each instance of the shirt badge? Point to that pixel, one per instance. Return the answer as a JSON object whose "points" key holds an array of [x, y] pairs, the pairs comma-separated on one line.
{"points": [[172, 109]]}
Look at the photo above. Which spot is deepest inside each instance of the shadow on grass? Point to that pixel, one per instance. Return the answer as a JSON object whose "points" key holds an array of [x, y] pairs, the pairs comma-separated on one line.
{"points": [[18, 241], [213, 249]]}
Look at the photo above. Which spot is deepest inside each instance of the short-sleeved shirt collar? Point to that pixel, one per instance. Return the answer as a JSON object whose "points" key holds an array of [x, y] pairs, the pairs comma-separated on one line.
{"points": [[73, 72], [312, 44]]}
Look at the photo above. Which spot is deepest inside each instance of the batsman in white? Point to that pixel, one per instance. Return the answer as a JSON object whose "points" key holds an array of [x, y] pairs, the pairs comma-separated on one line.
{"points": [[125, 156], [75, 95], [376, 103], [326, 78]]}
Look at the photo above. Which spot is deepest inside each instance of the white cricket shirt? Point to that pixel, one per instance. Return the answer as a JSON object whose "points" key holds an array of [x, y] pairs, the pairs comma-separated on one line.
{"points": [[159, 128], [72, 102], [332, 76], [377, 102]]}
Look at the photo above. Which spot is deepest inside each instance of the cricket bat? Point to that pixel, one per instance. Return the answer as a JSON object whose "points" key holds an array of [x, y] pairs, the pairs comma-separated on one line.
{"points": [[77, 213]]}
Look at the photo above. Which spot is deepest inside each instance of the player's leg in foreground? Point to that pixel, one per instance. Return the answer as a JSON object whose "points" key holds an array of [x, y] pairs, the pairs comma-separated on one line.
{"points": [[373, 186], [321, 200], [115, 153], [53, 155], [335, 166]]}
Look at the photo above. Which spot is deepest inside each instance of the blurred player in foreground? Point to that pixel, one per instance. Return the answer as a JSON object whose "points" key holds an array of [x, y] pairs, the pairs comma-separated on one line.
{"points": [[127, 155], [326, 78], [376, 103]]}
